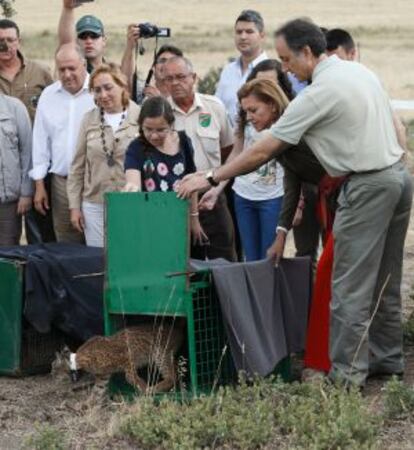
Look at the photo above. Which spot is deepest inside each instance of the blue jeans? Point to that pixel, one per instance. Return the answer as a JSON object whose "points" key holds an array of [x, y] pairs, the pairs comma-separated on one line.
{"points": [[257, 221]]}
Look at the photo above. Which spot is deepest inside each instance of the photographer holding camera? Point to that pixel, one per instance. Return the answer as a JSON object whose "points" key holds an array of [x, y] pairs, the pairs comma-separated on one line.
{"points": [[154, 84], [162, 55]]}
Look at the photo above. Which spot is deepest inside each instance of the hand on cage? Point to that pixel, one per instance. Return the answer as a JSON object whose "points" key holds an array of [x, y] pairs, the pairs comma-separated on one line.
{"points": [[208, 200], [130, 187]]}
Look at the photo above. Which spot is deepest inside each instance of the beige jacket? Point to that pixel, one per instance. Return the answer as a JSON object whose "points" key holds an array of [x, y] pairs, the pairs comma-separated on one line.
{"points": [[90, 176]]}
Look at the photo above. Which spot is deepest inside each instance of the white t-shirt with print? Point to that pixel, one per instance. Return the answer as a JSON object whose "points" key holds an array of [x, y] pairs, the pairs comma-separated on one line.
{"points": [[266, 182]]}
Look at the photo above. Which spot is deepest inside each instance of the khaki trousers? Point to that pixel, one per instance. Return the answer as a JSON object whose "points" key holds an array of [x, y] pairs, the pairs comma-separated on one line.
{"points": [[64, 230], [370, 227], [10, 224]]}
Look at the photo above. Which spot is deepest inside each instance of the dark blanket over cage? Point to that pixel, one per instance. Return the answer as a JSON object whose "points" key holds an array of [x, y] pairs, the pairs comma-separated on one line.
{"points": [[265, 309], [63, 287]]}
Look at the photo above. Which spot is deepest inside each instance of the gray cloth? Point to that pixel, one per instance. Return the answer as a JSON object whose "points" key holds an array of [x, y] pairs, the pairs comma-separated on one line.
{"points": [[15, 150], [265, 309]]}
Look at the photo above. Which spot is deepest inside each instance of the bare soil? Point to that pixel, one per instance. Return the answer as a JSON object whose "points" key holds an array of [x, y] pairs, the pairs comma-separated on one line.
{"points": [[45, 399]]}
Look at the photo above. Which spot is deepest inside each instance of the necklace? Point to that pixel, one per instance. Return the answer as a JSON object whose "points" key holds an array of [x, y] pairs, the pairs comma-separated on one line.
{"points": [[109, 153]]}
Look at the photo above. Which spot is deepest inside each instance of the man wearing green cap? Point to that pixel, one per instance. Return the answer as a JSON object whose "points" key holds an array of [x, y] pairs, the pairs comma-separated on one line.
{"points": [[88, 33]]}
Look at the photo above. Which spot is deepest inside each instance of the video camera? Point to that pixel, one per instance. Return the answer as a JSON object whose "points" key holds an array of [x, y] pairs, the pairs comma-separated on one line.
{"points": [[148, 30]]}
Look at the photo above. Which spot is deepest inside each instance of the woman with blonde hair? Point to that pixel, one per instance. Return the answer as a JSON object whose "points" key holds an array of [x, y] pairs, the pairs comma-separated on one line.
{"points": [[98, 165], [258, 196]]}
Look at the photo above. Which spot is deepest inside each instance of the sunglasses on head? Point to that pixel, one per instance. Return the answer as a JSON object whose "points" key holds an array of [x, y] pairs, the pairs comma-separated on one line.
{"points": [[88, 34]]}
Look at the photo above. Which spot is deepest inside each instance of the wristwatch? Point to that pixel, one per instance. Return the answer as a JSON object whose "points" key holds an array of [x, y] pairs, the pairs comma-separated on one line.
{"points": [[210, 178]]}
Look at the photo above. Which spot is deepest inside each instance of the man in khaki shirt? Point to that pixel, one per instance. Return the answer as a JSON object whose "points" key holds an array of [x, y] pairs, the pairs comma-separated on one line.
{"points": [[205, 122], [20, 77], [25, 80], [345, 117]]}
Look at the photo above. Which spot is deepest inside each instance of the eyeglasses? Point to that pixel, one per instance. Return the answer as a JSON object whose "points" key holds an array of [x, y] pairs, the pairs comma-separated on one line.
{"points": [[152, 131], [180, 78], [88, 34]]}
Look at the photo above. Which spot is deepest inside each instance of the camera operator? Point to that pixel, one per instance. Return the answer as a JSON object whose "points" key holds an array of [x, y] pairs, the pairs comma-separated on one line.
{"points": [[128, 65]]}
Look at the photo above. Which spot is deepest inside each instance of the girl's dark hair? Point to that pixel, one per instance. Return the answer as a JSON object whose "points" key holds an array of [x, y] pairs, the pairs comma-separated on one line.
{"points": [[154, 107], [282, 79]]}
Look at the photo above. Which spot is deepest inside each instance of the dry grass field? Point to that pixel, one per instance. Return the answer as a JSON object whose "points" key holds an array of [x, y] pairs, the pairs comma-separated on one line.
{"points": [[383, 29]]}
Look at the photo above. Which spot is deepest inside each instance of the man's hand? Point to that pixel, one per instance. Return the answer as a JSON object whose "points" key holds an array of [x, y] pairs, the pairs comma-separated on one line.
{"points": [[192, 183], [278, 247], [208, 200], [151, 91], [41, 199], [71, 4], [23, 205], [133, 34], [76, 219], [130, 187]]}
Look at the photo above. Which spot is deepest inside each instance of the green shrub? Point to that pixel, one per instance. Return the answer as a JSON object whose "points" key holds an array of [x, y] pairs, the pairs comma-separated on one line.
{"points": [[253, 415], [46, 437], [328, 417], [208, 83], [241, 417], [398, 400], [408, 330], [7, 8]]}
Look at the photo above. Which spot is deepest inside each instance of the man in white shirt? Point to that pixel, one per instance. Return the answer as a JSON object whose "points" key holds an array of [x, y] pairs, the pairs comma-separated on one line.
{"points": [[345, 117], [61, 108], [249, 38]]}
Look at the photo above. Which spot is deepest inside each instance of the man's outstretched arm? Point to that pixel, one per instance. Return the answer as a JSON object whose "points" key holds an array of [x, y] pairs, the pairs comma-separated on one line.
{"points": [[251, 159], [66, 27], [262, 151]]}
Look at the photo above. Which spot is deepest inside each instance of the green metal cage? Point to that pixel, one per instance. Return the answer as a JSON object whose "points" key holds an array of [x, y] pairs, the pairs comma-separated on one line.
{"points": [[147, 275], [23, 350], [147, 252]]}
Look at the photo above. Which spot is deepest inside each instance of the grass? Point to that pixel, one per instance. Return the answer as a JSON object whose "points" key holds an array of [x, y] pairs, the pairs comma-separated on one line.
{"points": [[261, 414], [204, 30], [398, 400], [46, 437]]}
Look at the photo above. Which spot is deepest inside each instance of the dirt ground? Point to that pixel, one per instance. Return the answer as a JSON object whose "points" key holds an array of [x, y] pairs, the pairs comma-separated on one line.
{"points": [[31, 401]]}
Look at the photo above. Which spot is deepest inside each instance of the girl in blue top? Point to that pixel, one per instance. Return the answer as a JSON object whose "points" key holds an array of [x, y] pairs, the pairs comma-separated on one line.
{"points": [[160, 156]]}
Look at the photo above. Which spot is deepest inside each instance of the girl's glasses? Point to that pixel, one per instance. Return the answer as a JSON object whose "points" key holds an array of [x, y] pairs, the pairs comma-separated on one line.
{"points": [[152, 131]]}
